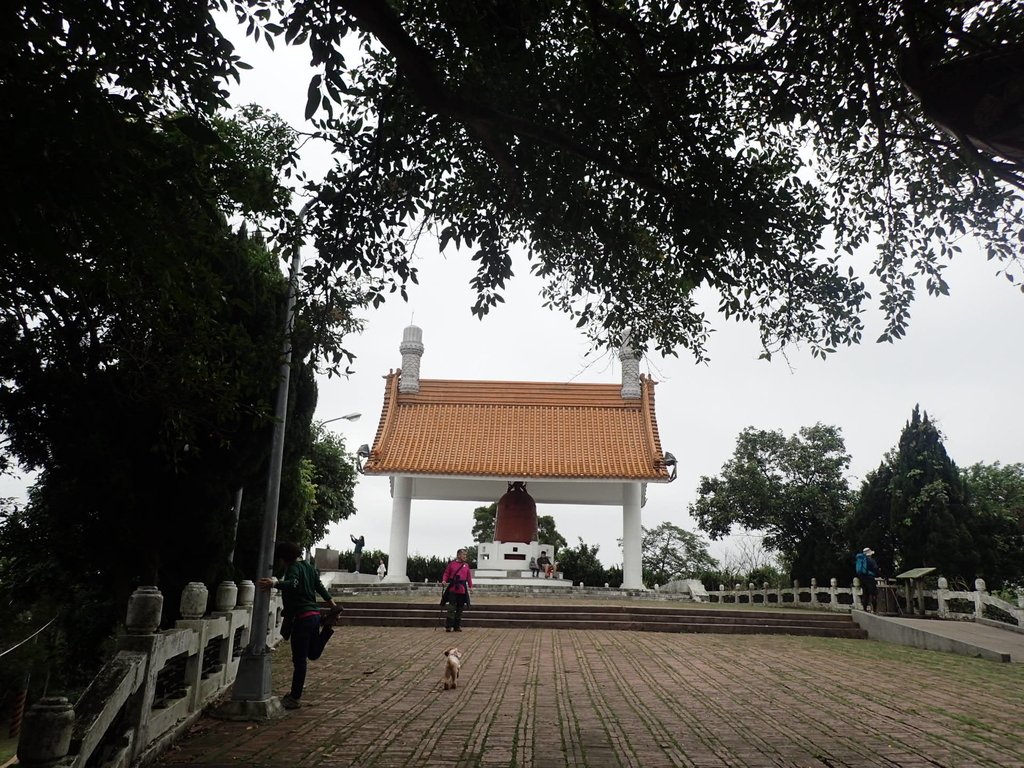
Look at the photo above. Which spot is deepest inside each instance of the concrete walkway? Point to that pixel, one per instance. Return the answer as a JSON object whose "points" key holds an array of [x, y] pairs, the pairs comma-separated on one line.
{"points": [[549, 698], [963, 637]]}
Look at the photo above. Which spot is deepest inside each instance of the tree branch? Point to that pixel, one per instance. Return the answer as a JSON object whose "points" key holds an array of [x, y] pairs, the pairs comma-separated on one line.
{"points": [[418, 68]]}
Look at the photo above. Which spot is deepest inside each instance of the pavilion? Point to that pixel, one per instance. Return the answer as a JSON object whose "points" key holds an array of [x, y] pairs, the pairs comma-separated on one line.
{"points": [[593, 444]]}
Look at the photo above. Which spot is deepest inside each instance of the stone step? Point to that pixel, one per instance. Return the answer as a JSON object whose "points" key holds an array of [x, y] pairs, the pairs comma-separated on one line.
{"points": [[620, 617]]}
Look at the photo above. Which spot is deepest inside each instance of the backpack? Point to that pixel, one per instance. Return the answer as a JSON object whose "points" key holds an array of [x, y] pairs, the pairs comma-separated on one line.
{"points": [[862, 564]]}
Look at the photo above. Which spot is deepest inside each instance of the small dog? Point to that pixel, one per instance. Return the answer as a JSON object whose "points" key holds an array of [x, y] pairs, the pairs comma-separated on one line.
{"points": [[452, 664]]}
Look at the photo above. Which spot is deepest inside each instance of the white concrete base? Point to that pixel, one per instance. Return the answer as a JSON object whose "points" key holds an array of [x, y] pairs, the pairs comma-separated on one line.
{"points": [[521, 581], [268, 709], [333, 578]]}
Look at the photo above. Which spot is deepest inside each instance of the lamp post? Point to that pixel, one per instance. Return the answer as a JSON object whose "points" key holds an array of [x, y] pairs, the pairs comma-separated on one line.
{"points": [[346, 417], [251, 696]]}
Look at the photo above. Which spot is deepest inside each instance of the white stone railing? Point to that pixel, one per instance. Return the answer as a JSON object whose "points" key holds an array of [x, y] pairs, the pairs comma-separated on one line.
{"points": [[832, 597], [156, 685], [941, 602], [979, 600]]}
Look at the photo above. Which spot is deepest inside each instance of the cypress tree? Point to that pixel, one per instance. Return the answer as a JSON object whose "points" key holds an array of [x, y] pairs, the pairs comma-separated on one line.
{"points": [[928, 512]]}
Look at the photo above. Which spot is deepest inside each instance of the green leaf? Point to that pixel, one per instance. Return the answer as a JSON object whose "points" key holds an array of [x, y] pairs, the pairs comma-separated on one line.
{"points": [[313, 97]]}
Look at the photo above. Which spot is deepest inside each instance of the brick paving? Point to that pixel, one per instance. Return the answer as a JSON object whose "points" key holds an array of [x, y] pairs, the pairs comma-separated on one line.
{"points": [[548, 698]]}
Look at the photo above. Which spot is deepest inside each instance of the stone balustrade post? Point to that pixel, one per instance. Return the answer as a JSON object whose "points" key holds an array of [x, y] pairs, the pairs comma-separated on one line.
{"points": [[796, 592], [194, 598], [833, 592], [226, 597], [246, 594], [764, 592], [856, 592], [979, 598], [814, 592], [144, 609], [942, 597], [46, 732]]}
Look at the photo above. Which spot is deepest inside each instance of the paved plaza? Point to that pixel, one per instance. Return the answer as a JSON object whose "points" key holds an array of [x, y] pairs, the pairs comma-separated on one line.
{"points": [[548, 698]]}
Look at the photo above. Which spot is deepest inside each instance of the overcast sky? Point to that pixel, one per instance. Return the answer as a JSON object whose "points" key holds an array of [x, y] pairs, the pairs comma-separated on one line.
{"points": [[961, 361]]}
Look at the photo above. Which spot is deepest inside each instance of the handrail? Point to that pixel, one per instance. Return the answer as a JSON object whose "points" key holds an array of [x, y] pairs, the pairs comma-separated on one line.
{"points": [[18, 645]]}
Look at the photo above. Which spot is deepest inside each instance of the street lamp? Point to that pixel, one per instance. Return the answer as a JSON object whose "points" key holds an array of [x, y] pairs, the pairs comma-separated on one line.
{"points": [[251, 696], [346, 417]]}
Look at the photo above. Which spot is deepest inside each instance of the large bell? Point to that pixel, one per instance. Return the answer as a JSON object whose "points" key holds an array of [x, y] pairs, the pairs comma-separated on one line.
{"points": [[517, 516]]}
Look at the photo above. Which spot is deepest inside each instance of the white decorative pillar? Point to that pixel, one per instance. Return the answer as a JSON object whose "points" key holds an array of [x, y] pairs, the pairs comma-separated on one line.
{"points": [[630, 370], [412, 350], [398, 550], [632, 558]]}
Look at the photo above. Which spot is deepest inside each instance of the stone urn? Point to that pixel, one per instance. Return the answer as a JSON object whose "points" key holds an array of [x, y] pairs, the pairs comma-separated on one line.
{"points": [[144, 609], [193, 600], [46, 731], [226, 596], [246, 593]]}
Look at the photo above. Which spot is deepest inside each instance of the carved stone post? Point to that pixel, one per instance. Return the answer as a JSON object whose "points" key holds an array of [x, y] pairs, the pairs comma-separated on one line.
{"points": [[246, 593], [144, 608], [226, 596], [814, 592], [942, 597], [833, 593], [979, 599], [46, 732], [193, 600]]}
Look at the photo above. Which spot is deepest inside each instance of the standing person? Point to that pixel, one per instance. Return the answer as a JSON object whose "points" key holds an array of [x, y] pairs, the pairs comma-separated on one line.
{"points": [[382, 571], [299, 588], [456, 581], [534, 568], [867, 572], [357, 554]]}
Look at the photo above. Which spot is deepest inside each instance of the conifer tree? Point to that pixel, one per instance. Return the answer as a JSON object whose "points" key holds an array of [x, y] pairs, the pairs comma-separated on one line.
{"points": [[915, 507]]}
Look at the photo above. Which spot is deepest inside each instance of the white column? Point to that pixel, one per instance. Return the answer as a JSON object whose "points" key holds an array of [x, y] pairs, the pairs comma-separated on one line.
{"points": [[632, 563], [398, 550]]}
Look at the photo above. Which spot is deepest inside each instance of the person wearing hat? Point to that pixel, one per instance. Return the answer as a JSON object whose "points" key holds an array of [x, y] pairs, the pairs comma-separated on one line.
{"points": [[867, 572]]}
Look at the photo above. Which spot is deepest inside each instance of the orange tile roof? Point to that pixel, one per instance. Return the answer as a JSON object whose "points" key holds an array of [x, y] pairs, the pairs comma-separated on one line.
{"points": [[518, 430]]}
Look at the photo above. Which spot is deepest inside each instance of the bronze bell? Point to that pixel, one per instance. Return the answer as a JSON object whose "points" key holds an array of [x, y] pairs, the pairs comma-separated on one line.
{"points": [[517, 516]]}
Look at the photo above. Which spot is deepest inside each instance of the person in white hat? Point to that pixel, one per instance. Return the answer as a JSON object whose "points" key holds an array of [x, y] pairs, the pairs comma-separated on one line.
{"points": [[867, 572]]}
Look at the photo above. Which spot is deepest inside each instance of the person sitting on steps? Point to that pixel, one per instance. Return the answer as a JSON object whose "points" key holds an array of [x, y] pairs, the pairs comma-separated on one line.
{"points": [[544, 563]]}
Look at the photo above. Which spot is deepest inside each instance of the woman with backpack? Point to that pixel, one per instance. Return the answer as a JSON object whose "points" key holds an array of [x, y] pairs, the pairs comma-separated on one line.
{"points": [[867, 572]]}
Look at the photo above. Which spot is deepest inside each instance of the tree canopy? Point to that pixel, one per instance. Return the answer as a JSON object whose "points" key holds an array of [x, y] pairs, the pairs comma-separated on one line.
{"points": [[792, 488], [141, 307], [638, 150], [670, 552], [996, 495]]}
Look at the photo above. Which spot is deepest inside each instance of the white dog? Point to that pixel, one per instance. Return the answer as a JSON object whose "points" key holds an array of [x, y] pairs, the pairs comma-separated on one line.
{"points": [[452, 664]]}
